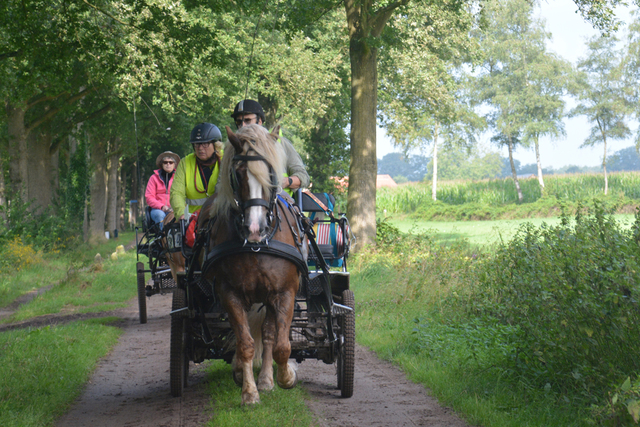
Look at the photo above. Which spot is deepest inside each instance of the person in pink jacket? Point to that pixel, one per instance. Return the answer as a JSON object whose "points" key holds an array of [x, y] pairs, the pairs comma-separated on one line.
{"points": [[157, 193]]}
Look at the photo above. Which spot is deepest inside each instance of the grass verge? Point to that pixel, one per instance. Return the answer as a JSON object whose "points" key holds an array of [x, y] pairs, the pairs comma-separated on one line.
{"points": [[42, 370], [535, 332], [79, 283], [278, 408]]}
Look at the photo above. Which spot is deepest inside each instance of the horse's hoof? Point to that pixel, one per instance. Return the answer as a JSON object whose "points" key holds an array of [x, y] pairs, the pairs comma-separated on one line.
{"points": [[265, 385], [237, 378], [293, 369], [250, 399]]}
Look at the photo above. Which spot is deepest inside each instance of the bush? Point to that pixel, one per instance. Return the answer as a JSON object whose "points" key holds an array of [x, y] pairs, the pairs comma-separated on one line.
{"points": [[570, 293]]}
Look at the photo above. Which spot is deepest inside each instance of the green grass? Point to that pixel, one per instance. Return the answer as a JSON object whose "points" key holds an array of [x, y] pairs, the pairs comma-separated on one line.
{"points": [[392, 293], [484, 233], [278, 407], [534, 332], [79, 284], [43, 370]]}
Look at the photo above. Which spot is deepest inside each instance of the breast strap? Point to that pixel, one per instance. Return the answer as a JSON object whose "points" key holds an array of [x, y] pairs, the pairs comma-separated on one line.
{"points": [[273, 247]]}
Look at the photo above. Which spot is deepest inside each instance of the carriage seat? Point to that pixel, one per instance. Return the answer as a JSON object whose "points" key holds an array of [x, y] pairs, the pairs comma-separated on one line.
{"points": [[330, 231], [148, 224]]}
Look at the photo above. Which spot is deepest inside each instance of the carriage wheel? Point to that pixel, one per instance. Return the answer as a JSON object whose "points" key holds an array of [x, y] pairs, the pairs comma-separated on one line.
{"points": [[178, 360], [142, 295], [347, 352]]}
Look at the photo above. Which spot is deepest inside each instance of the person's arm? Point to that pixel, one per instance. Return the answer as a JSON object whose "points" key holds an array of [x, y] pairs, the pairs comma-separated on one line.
{"points": [[178, 193], [295, 168], [150, 194]]}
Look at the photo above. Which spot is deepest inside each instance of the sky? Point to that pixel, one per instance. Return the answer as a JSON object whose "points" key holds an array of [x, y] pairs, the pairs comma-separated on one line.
{"points": [[569, 33]]}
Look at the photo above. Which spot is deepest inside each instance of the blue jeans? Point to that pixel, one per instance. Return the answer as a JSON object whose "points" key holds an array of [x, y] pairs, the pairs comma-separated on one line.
{"points": [[157, 215]]}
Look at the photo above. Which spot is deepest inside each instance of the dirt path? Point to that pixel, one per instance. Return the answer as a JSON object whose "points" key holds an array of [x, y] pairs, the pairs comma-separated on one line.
{"points": [[382, 397], [130, 386]]}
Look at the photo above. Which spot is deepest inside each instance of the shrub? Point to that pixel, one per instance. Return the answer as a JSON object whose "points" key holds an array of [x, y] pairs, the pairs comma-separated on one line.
{"points": [[571, 295], [16, 255]]}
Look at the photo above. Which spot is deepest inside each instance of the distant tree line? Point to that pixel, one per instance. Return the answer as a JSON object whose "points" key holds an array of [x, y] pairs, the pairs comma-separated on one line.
{"points": [[472, 166]]}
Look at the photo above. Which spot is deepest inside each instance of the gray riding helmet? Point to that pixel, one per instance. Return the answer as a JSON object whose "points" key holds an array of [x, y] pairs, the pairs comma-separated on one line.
{"points": [[205, 132]]}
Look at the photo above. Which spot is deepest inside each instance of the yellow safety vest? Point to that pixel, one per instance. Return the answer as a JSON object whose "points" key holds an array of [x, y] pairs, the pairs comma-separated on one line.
{"points": [[195, 191]]}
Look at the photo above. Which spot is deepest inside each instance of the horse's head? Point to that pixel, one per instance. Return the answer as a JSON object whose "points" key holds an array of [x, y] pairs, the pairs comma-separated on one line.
{"points": [[251, 169]]}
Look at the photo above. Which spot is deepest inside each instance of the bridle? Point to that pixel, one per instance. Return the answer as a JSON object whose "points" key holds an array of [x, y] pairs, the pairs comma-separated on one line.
{"points": [[243, 205]]}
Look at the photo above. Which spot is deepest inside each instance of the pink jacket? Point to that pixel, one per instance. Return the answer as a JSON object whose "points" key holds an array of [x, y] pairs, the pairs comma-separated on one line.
{"points": [[157, 195]]}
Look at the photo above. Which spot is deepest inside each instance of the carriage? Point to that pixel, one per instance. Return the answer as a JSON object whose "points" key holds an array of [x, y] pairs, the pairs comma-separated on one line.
{"points": [[150, 244], [323, 321]]}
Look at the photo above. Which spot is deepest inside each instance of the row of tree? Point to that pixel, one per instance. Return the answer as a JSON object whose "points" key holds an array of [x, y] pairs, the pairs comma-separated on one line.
{"points": [[94, 90], [516, 88], [476, 165]]}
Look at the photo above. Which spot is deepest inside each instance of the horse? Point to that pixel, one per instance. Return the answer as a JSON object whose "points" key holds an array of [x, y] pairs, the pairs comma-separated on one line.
{"points": [[256, 255]]}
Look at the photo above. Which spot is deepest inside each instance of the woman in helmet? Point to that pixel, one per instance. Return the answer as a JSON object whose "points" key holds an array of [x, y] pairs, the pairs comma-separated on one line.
{"points": [[157, 192], [197, 174]]}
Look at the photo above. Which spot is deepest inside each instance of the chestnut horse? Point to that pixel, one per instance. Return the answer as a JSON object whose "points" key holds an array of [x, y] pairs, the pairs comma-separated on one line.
{"points": [[256, 254]]}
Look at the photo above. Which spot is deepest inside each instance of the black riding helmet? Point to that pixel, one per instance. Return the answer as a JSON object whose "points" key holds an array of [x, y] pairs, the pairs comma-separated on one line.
{"points": [[249, 106], [205, 132]]}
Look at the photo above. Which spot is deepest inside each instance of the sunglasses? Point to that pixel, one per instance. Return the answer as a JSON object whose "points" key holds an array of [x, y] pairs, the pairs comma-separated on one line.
{"points": [[201, 144], [168, 163], [247, 121]]}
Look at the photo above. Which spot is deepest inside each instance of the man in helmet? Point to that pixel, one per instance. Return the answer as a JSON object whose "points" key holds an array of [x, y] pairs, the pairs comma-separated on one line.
{"points": [[249, 112], [197, 174]]}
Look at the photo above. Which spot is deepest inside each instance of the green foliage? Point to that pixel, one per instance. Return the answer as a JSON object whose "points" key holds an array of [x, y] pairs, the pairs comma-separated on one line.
{"points": [[386, 233], [536, 333], [473, 164], [622, 406], [569, 294], [601, 91], [412, 167]]}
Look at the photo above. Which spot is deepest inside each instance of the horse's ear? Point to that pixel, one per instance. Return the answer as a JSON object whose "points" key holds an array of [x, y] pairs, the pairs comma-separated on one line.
{"points": [[234, 140], [275, 133]]}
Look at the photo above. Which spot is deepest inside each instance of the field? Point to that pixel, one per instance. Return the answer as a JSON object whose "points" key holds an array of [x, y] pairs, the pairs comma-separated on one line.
{"points": [[497, 199], [480, 233]]}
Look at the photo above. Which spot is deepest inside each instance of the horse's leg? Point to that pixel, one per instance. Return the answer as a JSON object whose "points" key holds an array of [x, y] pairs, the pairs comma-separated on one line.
{"points": [[244, 349], [287, 376], [265, 378], [255, 318], [176, 262]]}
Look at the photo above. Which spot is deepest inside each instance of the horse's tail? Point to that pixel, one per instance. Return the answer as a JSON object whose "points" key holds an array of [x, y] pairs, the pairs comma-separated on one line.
{"points": [[256, 318]]}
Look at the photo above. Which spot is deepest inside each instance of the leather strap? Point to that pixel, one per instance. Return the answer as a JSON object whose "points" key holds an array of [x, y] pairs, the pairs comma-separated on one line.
{"points": [[322, 205]]}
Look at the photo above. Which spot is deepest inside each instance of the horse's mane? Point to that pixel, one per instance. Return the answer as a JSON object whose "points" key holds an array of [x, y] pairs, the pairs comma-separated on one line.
{"points": [[255, 140]]}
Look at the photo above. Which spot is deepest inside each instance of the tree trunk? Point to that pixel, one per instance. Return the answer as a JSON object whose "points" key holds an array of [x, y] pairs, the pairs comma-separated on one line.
{"points": [[39, 184], [540, 180], [17, 151], [513, 172], [270, 110], [604, 167], [361, 199], [122, 201], [134, 207], [112, 186], [98, 204], [85, 216], [3, 200], [434, 183]]}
